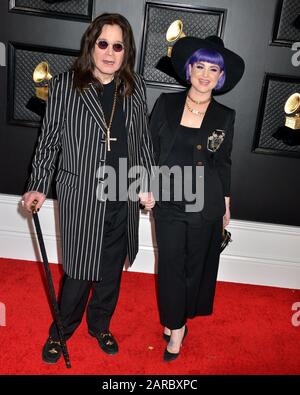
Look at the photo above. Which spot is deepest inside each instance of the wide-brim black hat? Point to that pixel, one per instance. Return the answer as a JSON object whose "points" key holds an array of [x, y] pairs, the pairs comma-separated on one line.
{"points": [[186, 46]]}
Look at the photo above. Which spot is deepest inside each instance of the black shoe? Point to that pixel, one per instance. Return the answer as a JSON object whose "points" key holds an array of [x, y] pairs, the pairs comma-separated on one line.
{"points": [[171, 356], [51, 351], [107, 342]]}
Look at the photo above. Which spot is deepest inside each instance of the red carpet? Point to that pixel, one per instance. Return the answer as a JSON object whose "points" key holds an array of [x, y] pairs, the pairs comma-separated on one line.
{"points": [[250, 331]]}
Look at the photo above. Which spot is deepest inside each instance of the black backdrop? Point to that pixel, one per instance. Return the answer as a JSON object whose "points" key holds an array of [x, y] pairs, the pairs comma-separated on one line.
{"points": [[265, 187]]}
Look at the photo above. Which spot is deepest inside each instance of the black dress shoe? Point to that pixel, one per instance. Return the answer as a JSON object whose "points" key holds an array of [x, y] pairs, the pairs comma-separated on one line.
{"points": [[170, 356], [51, 351], [107, 342]]}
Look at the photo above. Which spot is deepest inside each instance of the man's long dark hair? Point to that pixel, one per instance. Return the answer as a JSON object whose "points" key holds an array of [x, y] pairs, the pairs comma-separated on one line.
{"points": [[84, 64]]}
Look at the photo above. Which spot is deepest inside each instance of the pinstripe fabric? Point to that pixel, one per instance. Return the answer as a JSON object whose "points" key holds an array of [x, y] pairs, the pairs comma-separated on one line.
{"points": [[73, 129]]}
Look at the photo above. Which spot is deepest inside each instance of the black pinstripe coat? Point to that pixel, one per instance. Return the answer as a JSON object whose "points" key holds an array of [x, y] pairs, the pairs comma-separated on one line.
{"points": [[73, 128]]}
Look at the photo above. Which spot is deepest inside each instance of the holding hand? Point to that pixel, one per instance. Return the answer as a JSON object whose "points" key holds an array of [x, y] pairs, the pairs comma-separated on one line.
{"points": [[147, 200], [226, 217], [29, 197]]}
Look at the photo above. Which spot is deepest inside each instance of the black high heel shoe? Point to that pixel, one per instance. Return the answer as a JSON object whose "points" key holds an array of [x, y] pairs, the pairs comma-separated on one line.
{"points": [[171, 356]]}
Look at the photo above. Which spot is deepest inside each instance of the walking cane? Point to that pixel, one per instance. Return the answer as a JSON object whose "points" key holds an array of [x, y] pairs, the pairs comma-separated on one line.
{"points": [[51, 290]]}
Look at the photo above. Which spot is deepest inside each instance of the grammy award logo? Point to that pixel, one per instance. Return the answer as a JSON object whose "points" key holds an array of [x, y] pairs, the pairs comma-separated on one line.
{"points": [[41, 76], [292, 111], [174, 33], [289, 133]]}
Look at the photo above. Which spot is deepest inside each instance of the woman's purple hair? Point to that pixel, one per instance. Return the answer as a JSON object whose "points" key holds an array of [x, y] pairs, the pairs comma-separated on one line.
{"points": [[210, 56]]}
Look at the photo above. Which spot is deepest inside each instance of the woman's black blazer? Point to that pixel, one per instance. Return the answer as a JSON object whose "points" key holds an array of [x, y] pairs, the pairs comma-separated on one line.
{"points": [[166, 117]]}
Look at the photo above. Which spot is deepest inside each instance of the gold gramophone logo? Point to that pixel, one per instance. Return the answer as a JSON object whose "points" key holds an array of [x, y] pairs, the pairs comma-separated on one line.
{"points": [[174, 33], [292, 111], [41, 75]]}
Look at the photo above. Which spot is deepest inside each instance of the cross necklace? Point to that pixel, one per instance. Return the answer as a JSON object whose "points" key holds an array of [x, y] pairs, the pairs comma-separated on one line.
{"points": [[108, 127]]}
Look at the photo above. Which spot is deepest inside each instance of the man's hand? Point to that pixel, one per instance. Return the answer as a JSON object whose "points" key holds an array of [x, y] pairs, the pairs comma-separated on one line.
{"points": [[29, 197], [147, 200]]}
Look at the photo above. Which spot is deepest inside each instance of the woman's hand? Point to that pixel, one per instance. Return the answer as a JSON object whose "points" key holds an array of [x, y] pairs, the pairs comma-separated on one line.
{"points": [[29, 197], [226, 217], [147, 200]]}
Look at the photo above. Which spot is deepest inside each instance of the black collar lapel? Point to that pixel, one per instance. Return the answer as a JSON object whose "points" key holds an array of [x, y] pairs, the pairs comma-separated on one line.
{"points": [[174, 110], [210, 118], [92, 103]]}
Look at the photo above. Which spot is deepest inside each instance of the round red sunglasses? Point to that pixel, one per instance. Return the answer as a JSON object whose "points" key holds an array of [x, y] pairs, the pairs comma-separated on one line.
{"points": [[103, 44]]}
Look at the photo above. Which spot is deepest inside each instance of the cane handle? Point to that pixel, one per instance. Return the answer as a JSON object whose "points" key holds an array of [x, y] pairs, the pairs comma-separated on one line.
{"points": [[33, 206]]}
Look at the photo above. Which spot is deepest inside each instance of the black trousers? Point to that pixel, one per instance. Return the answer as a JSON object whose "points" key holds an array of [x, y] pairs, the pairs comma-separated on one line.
{"points": [[75, 293], [188, 261]]}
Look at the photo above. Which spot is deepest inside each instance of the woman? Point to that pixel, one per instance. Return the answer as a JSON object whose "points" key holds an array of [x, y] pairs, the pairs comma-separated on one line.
{"points": [[192, 131], [95, 120]]}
